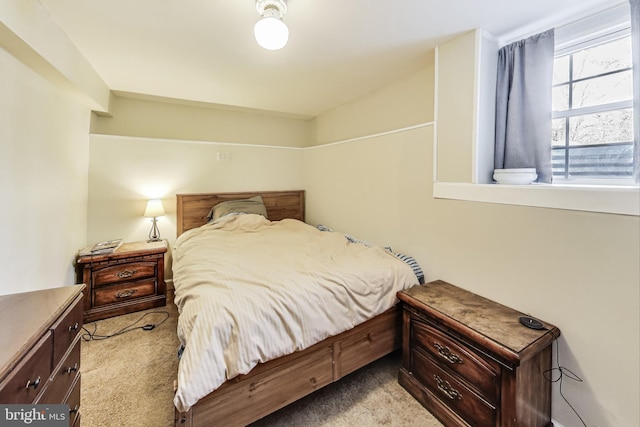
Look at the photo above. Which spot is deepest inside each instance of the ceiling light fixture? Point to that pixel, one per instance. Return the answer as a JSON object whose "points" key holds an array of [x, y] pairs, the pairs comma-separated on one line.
{"points": [[270, 31]]}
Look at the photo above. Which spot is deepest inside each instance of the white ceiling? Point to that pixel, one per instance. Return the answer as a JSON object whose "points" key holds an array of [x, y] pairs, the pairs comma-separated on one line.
{"points": [[204, 50]]}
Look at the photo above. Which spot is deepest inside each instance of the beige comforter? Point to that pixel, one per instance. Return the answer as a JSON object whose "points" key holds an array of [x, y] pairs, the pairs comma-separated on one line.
{"points": [[250, 290]]}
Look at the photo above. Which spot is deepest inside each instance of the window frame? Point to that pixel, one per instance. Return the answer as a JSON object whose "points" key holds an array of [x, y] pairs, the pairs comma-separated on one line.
{"points": [[616, 31]]}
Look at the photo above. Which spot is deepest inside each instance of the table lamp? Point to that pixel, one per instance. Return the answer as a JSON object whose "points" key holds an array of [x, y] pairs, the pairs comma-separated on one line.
{"points": [[154, 210]]}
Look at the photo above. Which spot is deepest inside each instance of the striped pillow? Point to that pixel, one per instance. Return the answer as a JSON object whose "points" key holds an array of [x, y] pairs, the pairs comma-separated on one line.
{"points": [[417, 270]]}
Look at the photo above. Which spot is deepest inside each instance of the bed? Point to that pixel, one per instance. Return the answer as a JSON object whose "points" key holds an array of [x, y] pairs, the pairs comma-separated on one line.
{"points": [[273, 383]]}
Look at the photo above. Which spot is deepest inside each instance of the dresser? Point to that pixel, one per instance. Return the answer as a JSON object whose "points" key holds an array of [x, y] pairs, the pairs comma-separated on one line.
{"points": [[40, 352], [471, 362], [127, 280]]}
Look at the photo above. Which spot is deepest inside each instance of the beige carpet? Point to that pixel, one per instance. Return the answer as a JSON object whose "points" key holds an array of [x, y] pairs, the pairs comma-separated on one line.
{"points": [[127, 380]]}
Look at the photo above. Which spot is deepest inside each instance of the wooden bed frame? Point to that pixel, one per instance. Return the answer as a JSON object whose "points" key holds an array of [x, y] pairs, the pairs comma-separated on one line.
{"points": [[279, 382]]}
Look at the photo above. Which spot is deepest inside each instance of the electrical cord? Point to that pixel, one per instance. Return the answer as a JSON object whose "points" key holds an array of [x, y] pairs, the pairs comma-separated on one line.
{"points": [[89, 335], [561, 372]]}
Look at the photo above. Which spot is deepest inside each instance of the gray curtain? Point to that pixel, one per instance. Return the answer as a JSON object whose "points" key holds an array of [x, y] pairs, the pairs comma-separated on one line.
{"points": [[635, 43], [523, 105]]}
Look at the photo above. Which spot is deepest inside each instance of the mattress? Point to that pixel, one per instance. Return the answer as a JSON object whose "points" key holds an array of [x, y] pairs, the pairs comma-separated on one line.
{"points": [[249, 290]]}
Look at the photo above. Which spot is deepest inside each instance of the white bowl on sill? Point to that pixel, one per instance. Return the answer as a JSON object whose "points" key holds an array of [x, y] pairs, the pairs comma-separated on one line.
{"points": [[517, 176]]}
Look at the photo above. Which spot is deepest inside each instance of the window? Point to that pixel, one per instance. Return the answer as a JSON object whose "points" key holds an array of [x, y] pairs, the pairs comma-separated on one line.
{"points": [[592, 127], [455, 178]]}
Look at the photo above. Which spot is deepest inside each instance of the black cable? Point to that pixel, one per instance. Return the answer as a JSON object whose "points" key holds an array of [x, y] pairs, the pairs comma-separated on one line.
{"points": [[89, 336], [548, 375]]}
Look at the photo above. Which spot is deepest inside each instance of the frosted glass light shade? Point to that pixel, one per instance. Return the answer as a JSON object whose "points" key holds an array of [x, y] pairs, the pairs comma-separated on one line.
{"points": [[154, 209], [271, 33]]}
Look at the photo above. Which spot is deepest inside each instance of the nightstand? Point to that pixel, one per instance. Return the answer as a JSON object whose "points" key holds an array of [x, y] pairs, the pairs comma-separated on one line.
{"points": [[127, 280], [470, 361]]}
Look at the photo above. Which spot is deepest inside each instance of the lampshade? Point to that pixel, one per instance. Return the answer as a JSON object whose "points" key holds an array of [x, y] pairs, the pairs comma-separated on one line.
{"points": [[154, 208], [270, 31]]}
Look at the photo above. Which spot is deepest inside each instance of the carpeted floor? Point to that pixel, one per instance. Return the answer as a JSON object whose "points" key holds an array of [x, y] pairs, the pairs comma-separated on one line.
{"points": [[127, 380]]}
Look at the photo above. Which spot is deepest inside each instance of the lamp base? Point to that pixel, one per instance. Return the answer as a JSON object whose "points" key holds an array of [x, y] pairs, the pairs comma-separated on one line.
{"points": [[154, 234]]}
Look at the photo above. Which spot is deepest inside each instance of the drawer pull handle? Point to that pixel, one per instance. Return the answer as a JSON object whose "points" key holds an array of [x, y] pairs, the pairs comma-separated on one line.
{"points": [[74, 410], [33, 384], [447, 354], [126, 273], [74, 327], [446, 388], [73, 368], [126, 294]]}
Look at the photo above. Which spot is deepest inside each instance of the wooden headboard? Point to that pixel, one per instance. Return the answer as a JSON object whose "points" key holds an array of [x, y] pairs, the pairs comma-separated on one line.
{"points": [[192, 209]]}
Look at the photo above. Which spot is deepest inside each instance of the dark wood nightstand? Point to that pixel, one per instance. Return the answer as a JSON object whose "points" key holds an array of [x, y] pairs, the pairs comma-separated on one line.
{"points": [[470, 361], [127, 280]]}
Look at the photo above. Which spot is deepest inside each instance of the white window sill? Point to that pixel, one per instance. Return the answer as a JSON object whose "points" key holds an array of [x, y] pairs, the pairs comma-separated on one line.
{"points": [[613, 200]]}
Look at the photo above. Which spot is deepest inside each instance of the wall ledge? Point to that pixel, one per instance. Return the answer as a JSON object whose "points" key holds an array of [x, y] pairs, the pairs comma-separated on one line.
{"points": [[601, 199]]}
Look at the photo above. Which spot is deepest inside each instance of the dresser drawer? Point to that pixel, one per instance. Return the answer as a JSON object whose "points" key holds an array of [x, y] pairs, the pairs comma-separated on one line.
{"points": [[452, 392], [453, 354], [73, 400], [124, 272], [64, 376], [124, 292], [66, 329], [31, 375]]}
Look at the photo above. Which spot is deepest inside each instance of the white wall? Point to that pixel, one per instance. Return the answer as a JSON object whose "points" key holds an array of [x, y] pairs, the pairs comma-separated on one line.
{"points": [[44, 135], [455, 114], [577, 270], [127, 171], [149, 148], [29, 34], [375, 189], [397, 105], [153, 117]]}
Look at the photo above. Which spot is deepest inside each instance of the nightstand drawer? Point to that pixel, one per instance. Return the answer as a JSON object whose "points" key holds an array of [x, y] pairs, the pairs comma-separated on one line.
{"points": [[124, 292], [455, 355], [124, 272], [31, 375], [452, 392]]}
